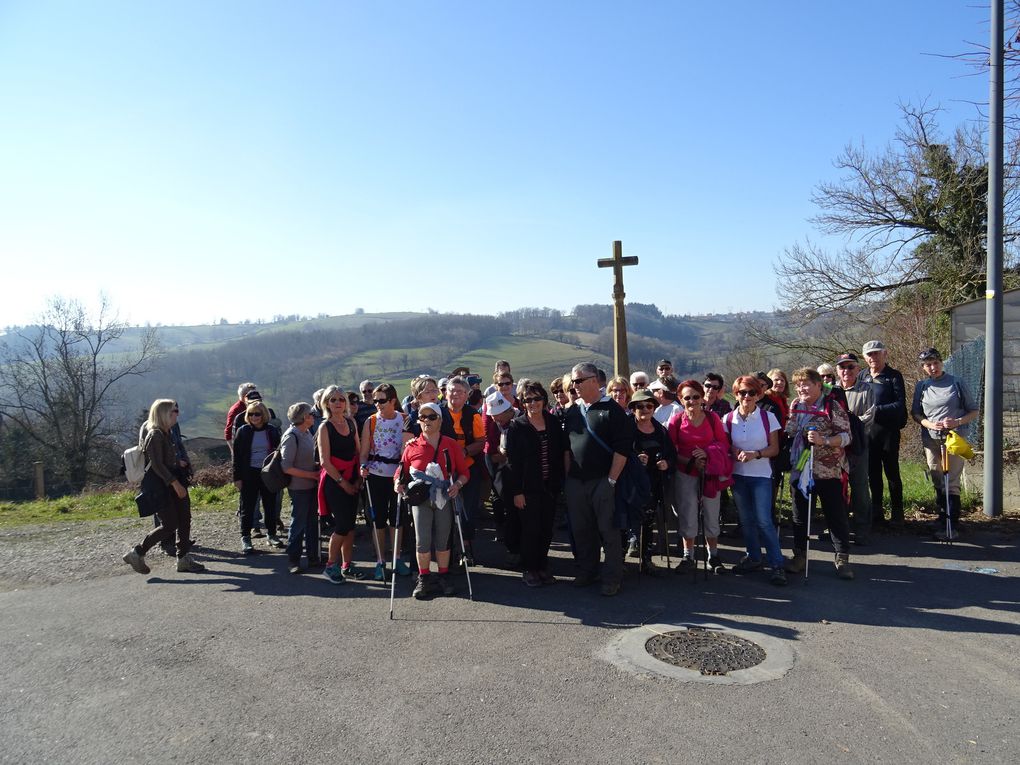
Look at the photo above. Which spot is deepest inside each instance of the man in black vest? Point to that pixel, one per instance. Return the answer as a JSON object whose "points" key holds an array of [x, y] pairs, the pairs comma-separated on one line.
{"points": [[884, 440], [601, 437]]}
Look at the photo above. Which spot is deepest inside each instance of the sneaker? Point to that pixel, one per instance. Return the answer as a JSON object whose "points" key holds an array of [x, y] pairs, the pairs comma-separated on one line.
{"points": [[421, 588], [136, 560], [715, 565], [444, 585], [187, 564], [275, 541], [777, 576], [797, 563], [686, 564], [609, 589], [246, 546], [352, 572], [380, 572], [257, 533], [402, 568], [745, 565], [333, 574], [532, 579], [632, 549], [843, 569], [295, 567]]}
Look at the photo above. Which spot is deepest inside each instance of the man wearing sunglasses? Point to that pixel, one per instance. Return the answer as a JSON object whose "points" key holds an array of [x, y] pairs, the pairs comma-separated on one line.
{"points": [[601, 436], [714, 400]]}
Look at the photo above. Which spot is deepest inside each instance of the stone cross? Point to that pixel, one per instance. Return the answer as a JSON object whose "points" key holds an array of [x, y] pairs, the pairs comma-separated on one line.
{"points": [[621, 360]]}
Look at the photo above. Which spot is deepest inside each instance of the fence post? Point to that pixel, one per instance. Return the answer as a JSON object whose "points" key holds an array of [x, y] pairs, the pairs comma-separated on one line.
{"points": [[40, 480]]}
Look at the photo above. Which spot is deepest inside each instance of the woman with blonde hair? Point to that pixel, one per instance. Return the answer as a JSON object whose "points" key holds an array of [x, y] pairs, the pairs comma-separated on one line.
{"points": [[169, 495], [339, 482], [253, 442], [620, 390]]}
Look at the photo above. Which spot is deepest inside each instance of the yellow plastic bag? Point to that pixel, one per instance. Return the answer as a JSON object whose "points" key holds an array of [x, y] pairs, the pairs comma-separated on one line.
{"points": [[958, 445]]}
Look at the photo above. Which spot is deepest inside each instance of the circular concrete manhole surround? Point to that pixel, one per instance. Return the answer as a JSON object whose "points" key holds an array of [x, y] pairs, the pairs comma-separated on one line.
{"points": [[704, 653]]}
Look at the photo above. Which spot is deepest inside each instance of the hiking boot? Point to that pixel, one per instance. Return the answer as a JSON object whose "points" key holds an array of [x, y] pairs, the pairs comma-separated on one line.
{"points": [[380, 572], [745, 565], [246, 546], [843, 569], [797, 563], [444, 585], [275, 541], [421, 588], [169, 550], [136, 560], [257, 533], [686, 564], [715, 565], [532, 579], [948, 536], [777, 576], [187, 564], [333, 573], [650, 568], [609, 589], [295, 567], [402, 568]]}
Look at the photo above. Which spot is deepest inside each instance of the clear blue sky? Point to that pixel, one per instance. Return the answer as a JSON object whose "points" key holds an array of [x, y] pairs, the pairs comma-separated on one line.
{"points": [[198, 160]]}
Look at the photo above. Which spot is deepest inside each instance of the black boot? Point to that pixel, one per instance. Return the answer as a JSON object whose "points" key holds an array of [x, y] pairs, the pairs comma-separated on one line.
{"points": [[954, 508]]}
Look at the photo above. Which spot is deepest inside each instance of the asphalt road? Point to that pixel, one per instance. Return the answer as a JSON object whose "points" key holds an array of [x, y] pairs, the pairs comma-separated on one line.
{"points": [[915, 661]]}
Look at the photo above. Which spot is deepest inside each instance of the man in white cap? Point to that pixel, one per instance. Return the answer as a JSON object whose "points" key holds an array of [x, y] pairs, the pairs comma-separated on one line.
{"points": [[664, 390], [499, 411], [860, 401], [884, 441]]}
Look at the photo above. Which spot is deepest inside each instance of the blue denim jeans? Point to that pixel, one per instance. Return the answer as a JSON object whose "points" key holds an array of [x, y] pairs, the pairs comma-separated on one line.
{"points": [[753, 496], [304, 525]]}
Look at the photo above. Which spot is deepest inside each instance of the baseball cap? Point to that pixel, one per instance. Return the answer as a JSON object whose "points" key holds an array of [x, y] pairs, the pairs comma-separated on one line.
{"points": [[844, 357], [497, 403], [929, 354], [873, 345]]}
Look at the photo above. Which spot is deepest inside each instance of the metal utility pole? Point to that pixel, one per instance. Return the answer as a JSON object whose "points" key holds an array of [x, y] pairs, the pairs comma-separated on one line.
{"points": [[993, 287], [621, 359]]}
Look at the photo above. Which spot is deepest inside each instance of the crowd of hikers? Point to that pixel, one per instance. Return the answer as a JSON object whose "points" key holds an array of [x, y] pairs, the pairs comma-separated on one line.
{"points": [[643, 467]]}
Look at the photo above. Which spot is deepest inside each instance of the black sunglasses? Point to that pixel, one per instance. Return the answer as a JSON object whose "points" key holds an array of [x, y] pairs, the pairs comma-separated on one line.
{"points": [[645, 405], [428, 417], [580, 380], [533, 400], [379, 401], [746, 393]]}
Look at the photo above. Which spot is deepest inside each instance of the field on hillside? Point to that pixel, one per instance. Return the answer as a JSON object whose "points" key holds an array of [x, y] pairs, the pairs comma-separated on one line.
{"points": [[530, 357]]}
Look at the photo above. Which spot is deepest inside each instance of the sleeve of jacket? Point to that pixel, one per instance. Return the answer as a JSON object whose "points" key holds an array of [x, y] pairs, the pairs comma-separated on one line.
{"points": [[157, 449], [242, 442], [513, 472]]}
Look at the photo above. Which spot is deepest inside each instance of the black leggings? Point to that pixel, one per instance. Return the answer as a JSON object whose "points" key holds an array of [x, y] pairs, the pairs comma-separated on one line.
{"points": [[830, 492], [251, 489], [536, 530], [383, 499]]}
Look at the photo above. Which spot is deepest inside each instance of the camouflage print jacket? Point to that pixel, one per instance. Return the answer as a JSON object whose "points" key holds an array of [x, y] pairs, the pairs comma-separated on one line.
{"points": [[830, 461]]}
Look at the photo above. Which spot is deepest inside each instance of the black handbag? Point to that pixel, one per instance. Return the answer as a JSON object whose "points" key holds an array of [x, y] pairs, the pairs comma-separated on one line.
{"points": [[273, 477], [153, 496]]}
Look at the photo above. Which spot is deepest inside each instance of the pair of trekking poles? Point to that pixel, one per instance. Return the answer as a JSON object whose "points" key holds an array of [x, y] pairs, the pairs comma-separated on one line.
{"points": [[700, 545], [458, 509]]}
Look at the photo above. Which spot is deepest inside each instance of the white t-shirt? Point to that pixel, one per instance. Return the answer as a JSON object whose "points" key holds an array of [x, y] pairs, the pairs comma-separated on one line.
{"points": [[666, 411], [749, 436]]}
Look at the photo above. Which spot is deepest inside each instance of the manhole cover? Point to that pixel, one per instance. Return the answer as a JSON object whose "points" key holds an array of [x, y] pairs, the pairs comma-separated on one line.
{"points": [[706, 651]]}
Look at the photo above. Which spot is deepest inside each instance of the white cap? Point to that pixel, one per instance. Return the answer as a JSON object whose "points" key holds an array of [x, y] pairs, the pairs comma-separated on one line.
{"points": [[497, 403]]}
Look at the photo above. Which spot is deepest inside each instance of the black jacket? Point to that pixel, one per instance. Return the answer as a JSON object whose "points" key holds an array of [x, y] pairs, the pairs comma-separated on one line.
{"points": [[523, 471], [890, 398], [242, 447]]}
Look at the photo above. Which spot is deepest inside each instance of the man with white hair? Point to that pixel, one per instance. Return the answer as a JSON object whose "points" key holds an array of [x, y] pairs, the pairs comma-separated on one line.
{"points": [[884, 440], [638, 380]]}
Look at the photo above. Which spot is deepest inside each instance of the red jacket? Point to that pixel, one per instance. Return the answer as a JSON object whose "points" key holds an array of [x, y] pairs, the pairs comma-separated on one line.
{"points": [[228, 432]]}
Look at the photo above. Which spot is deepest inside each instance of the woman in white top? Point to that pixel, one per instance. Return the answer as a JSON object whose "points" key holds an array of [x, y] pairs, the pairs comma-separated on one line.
{"points": [[754, 437], [381, 444]]}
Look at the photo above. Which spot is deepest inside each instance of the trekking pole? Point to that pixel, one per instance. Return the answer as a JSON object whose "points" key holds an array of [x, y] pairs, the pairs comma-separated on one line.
{"points": [[665, 530], [700, 544], [810, 506], [945, 489], [458, 507], [396, 547], [370, 509]]}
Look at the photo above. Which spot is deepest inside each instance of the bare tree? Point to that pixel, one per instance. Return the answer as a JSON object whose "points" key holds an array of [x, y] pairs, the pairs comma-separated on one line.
{"points": [[58, 381], [913, 218]]}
